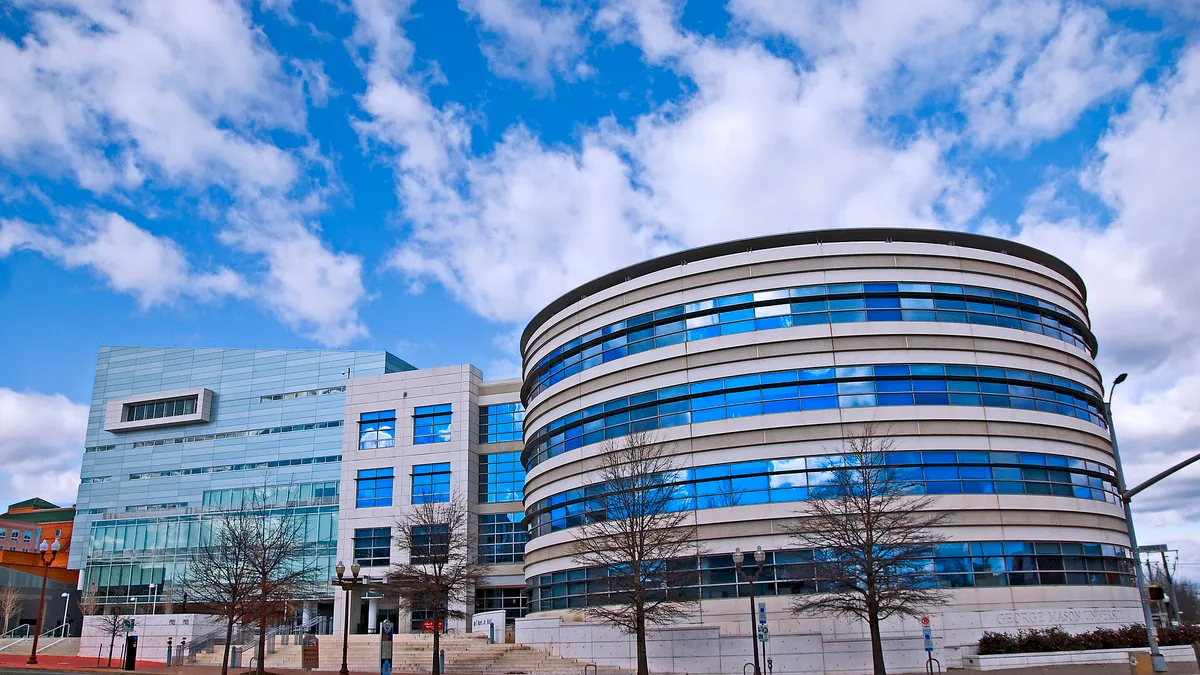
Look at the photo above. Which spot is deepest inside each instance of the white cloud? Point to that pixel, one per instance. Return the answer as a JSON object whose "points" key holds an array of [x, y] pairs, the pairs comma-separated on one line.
{"points": [[171, 91], [761, 147], [1143, 284], [1042, 83], [527, 40], [41, 446], [310, 288], [129, 96], [1022, 71], [131, 260]]}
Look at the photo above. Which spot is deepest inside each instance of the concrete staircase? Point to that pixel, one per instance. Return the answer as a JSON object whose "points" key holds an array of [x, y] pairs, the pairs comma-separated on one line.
{"points": [[414, 654], [47, 646]]}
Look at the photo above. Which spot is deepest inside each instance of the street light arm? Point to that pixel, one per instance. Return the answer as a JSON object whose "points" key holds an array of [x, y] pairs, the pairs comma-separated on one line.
{"points": [[1128, 494]]}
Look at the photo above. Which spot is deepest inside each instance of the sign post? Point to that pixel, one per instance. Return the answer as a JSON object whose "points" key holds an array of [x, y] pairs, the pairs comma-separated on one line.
{"points": [[385, 647], [764, 635]]}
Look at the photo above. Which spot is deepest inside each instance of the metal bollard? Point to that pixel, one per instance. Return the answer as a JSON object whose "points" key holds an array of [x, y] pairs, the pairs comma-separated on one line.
{"points": [[169, 654]]}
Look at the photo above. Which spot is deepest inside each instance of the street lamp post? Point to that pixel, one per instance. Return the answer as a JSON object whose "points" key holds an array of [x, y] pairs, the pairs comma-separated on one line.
{"points": [[1156, 657], [133, 599], [43, 548], [738, 559], [66, 605], [153, 599], [348, 584]]}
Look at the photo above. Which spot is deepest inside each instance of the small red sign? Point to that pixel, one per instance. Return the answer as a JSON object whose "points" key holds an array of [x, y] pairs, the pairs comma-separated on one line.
{"points": [[924, 621], [427, 626]]}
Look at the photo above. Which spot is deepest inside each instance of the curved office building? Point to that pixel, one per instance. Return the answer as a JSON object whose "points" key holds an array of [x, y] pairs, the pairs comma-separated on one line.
{"points": [[754, 357]]}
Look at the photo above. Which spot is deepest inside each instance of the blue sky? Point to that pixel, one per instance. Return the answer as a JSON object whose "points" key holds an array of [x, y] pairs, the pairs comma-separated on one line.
{"points": [[422, 176]]}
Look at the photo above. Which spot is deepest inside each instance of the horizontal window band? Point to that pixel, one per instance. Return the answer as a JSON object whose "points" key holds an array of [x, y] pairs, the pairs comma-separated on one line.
{"points": [[807, 305], [785, 480], [813, 389], [795, 572]]}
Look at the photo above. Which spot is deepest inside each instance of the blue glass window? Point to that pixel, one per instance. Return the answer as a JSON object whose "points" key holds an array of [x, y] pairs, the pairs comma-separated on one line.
{"points": [[431, 424], [501, 478], [838, 303], [501, 538], [373, 487], [791, 572], [801, 478], [500, 423], [819, 388], [430, 483], [373, 546], [377, 430]]}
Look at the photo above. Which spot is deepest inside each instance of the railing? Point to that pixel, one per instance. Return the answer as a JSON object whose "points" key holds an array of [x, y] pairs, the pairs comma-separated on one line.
{"points": [[17, 639], [24, 628], [245, 638], [26, 636]]}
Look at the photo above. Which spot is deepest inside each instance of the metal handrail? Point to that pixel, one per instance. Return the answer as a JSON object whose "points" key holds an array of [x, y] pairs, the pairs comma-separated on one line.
{"points": [[24, 627]]}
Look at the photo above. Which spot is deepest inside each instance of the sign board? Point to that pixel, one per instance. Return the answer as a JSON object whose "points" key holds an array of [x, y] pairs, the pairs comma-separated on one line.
{"points": [[927, 633], [924, 622], [127, 625], [490, 624], [764, 635], [385, 647], [427, 625], [1153, 548], [928, 642], [310, 654], [762, 613]]}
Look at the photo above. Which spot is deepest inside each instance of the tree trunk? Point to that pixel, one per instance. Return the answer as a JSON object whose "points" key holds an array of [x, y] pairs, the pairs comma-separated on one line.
{"points": [[262, 644], [643, 663], [111, 641], [228, 646], [876, 642]]}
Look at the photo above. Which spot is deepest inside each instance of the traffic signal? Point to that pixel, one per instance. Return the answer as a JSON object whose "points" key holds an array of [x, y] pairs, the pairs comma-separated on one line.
{"points": [[1155, 592]]}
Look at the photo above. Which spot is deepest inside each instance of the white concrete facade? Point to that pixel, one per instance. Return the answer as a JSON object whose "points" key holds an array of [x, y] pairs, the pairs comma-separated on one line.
{"points": [[991, 515], [463, 388]]}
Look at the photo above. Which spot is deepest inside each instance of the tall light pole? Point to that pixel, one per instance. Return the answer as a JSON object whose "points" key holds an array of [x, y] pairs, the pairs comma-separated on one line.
{"points": [[46, 563], [738, 559], [1156, 657], [347, 584], [153, 598], [66, 605]]}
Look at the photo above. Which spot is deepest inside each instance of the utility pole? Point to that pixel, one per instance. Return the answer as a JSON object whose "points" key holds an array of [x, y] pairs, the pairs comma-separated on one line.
{"points": [[1171, 585]]}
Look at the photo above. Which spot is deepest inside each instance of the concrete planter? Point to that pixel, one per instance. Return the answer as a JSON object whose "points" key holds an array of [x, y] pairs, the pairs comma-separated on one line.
{"points": [[1001, 661]]}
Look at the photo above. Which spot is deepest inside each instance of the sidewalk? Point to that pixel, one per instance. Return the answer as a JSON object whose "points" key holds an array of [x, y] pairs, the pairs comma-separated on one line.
{"points": [[83, 664]]}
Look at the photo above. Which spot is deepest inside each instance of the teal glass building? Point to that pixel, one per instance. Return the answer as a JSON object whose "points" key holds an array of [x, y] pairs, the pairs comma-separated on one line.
{"points": [[176, 435]]}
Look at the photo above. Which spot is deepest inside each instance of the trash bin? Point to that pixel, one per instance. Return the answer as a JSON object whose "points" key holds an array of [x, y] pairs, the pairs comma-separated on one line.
{"points": [[130, 652], [1140, 663]]}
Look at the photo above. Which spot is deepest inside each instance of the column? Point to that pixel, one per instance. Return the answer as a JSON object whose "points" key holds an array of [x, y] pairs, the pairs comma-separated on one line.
{"points": [[372, 614]]}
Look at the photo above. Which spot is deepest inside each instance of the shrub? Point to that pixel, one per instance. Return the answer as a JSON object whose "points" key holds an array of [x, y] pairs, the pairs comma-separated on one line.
{"points": [[1056, 639], [998, 643]]}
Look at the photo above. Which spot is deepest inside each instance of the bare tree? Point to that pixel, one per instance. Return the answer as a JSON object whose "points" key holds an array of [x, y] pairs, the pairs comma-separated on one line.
{"points": [[111, 625], [442, 568], [218, 574], [89, 604], [11, 601], [643, 527], [280, 564], [874, 531]]}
